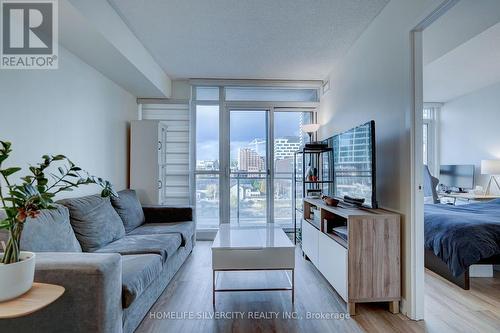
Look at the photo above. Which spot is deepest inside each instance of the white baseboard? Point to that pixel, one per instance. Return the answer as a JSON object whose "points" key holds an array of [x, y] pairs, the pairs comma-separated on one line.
{"points": [[481, 271]]}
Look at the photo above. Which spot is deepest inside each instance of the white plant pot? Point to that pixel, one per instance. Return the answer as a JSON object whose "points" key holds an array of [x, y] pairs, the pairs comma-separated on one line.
{"points": [[17, 278]]}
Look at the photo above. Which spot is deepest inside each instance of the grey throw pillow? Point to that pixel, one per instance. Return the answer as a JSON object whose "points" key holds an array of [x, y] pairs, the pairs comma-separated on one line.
{"points": [[51, 231], [129, 208], [94, 221]]}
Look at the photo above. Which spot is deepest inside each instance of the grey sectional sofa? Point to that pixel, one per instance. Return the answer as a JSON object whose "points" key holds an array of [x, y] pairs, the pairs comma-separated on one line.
{"points": [[113, 256]]}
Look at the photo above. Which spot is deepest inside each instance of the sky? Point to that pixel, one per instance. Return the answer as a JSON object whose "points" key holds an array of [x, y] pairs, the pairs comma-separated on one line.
{"points": [[244, 126]]}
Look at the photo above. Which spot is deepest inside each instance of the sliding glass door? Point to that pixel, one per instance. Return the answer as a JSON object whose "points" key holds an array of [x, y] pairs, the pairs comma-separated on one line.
{"points": [[248, 166], [288, 138], [262, 143], [244, 139]]}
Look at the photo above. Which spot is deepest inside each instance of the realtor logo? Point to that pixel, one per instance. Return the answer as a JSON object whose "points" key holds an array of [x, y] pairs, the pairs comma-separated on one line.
{"points": [[29, 37]]}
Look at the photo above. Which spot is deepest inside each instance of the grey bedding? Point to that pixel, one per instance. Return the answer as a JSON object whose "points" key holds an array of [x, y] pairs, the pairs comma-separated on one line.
{"points": [[463, 235]]}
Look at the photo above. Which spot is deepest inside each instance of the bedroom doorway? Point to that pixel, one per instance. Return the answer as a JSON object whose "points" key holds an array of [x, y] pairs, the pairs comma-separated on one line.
{"points": [[417, 278], [446, 156]]}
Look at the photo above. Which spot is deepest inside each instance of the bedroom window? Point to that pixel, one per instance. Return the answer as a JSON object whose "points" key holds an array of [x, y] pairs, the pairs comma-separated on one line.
{"points": [[430, 124]]}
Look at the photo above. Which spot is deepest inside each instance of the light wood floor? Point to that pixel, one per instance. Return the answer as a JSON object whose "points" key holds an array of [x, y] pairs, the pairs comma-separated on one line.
{"points": [[448, 308]]}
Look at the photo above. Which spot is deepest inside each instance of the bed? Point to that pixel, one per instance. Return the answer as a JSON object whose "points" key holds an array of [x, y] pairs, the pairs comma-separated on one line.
{"points": [[459, 236]]}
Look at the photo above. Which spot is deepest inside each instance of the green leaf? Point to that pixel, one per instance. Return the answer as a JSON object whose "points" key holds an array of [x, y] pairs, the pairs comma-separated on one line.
{"points": [[27, 179], [9, 171], [6, 144], [11, 212], [16, 201], [35, 171], [58, 157], [70, 183], [18, 194], [5, 224]]}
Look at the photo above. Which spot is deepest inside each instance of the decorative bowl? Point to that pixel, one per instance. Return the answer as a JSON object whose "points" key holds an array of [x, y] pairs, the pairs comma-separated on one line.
{"points": [[330, 201]]}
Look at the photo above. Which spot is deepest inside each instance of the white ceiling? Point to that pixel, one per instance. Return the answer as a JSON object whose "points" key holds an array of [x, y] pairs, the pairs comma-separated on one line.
{"points": [[251, 39], [462, 22], [469, 67]]}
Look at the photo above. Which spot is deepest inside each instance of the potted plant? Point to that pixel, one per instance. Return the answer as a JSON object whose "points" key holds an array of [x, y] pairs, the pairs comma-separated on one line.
{"points": [[26, 199]]}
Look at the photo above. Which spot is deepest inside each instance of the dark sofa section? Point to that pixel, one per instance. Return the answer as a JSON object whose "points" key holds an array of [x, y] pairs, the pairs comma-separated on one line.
{"points": [[111, 284], [159, 214]]}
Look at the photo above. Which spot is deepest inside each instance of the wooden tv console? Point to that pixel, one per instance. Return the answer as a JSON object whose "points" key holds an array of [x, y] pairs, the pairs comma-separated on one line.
{"points": [[366, 267]]}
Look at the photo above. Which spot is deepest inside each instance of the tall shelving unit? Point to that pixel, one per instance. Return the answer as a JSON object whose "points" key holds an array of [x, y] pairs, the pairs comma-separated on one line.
{"points": [[316, 158]]}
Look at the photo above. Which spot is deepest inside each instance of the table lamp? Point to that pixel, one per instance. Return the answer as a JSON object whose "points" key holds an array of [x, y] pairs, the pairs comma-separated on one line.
{"points": [[310, 129], [491, 168]]}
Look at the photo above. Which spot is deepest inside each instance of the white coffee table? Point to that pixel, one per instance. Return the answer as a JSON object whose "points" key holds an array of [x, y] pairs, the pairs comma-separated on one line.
{"points": [[250, 248]]}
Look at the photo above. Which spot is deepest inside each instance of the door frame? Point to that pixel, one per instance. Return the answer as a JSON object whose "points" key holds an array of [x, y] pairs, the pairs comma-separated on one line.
{"points": [[417, 278]]}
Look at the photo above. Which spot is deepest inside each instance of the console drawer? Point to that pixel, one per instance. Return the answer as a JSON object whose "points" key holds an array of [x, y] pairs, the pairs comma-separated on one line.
{"points": [[333, 264], [310, 241]]}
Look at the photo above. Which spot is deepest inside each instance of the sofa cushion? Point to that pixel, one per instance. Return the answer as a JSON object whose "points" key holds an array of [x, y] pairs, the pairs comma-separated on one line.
{"points": [[94, 221], [164, 245], [51, 231], [138, 271], [129, 208], [186, 229]]}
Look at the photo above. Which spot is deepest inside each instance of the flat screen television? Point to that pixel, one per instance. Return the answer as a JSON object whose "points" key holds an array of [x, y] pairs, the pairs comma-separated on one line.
{"points": [[352, 164], [459, 177]]}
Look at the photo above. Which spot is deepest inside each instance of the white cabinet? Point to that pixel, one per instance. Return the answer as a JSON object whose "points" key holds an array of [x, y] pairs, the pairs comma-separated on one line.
{"points": [[148, 160], [327, 255], [333, 264], [310, 241], [365, 267]]}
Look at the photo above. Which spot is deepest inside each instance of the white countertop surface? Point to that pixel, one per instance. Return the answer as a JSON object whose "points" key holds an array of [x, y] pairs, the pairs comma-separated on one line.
{"points": [[251, 237]]}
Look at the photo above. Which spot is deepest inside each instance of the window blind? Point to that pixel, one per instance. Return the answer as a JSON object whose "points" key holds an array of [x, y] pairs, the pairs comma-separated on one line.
{"points": [[176, 116]]}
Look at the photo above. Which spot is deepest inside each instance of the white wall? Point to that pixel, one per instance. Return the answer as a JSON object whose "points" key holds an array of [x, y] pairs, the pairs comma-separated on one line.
{"points": [[373, 82], [469, 129], [75, 111], [181, 94], [95, 32], [181, 90]]}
